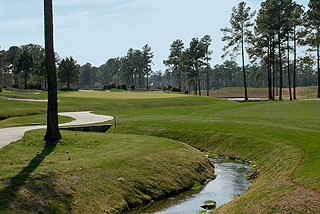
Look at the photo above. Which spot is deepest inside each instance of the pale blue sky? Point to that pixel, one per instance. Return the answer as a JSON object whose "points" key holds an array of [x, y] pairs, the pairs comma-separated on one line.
{"points": [[96, 30]]}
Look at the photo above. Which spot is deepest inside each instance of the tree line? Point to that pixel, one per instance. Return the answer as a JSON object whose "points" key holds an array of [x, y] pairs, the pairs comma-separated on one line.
{"points": [[25, 66], [269, 37]]}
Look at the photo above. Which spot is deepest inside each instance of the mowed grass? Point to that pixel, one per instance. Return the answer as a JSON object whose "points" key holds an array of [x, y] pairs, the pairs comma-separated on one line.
{"points": [[273, 135], [95, 172], [40, 119], [121, 95]]}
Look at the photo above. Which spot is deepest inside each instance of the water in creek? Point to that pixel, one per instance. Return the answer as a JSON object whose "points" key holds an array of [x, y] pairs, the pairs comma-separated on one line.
{"points": [[230, 183]]}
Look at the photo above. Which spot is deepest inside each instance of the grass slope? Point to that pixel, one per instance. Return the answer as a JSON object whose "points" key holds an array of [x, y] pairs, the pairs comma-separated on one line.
{"points": [[270, 134], [94, 172]]}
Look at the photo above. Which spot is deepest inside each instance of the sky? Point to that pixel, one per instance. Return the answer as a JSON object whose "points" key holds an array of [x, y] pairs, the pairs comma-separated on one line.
{"points": [[95, 30]]}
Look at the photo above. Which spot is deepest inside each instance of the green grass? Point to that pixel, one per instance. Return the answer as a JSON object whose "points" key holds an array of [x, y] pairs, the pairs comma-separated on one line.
{"points": [[271, 134], [40, 119], [94, 172]]}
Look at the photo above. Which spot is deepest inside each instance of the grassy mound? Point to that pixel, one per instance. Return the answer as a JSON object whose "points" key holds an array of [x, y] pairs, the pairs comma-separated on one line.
{"points": [[94, 172]]}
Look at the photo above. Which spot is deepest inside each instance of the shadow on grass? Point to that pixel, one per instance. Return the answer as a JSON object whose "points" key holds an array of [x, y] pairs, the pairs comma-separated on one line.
{"points": [[39, 194]]}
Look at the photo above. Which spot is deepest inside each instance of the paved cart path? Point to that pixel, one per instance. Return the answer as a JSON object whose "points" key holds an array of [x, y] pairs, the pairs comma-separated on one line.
{"points": [[9, 135]]}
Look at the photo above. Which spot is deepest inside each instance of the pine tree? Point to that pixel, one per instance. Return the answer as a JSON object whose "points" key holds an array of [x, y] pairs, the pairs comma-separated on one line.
{"points": [[238, 35]]}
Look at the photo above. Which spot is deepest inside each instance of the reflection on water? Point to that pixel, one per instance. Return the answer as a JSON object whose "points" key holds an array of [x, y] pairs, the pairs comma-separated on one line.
{"points": [[229, 183]]}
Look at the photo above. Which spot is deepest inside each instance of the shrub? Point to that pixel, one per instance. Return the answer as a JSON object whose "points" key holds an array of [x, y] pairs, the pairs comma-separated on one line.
{"points": [[34, 85], [0, 88], [148, 87], [15, 86], [110, 86], [68, 89], [119, 87], [113, 85], [159, 87], [187, 91], [133, 87], [124, 87], [169, 87], [174, 89]]}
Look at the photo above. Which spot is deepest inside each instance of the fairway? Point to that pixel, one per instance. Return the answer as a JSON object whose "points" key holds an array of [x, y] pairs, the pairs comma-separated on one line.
{"points": [[121, 95], [272, 135]]}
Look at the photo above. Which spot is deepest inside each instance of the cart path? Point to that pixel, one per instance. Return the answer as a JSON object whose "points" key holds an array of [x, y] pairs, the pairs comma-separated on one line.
{"points": [[9, 135]]}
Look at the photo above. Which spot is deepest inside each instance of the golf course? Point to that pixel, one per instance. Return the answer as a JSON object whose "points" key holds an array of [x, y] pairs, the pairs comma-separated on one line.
{"points": [[157, 149]]}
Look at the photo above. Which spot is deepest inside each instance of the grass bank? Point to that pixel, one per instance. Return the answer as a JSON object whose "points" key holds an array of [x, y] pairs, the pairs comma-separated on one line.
{"points": [[273, 135], [94, 173]]}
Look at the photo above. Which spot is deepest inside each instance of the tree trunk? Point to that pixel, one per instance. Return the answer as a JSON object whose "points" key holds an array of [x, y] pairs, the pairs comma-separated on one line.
{"points": [[199, 85], [25, 80], [280, 61], [147, 78], [45, 81], [274, 82], [140, 78], [53, 134], [244, 72], [295, 66], [318, 68], [269, 72], [132, 78], [135, 78], [289, 76], [208, 88], [180, 80]]}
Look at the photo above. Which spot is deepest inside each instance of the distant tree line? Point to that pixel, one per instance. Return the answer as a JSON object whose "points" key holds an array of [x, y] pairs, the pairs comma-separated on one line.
{"points": [[134, 70], [25, 67], [270, 41]]}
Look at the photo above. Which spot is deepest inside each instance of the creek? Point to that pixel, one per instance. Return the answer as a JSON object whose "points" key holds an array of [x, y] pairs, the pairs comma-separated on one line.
{"points": [[230, 183]]}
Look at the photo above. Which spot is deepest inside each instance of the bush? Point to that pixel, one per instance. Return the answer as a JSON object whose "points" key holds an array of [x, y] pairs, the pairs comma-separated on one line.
{"points": [[15, 86], [159, 87], [148, 87], [0, 88], [133, 87], [119, 87], [68, 89], [169, 87], [174, 89], [187, 91], [113, 85], [124, 87], [110, 86], [34, 85]]}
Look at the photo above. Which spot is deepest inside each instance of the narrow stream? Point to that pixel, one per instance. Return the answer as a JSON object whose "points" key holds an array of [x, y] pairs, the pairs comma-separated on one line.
{"points": [[230, 183]]}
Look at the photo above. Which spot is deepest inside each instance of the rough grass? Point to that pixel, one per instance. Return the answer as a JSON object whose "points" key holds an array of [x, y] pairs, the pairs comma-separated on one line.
{"points": [[302, 92], [94, 173]]}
